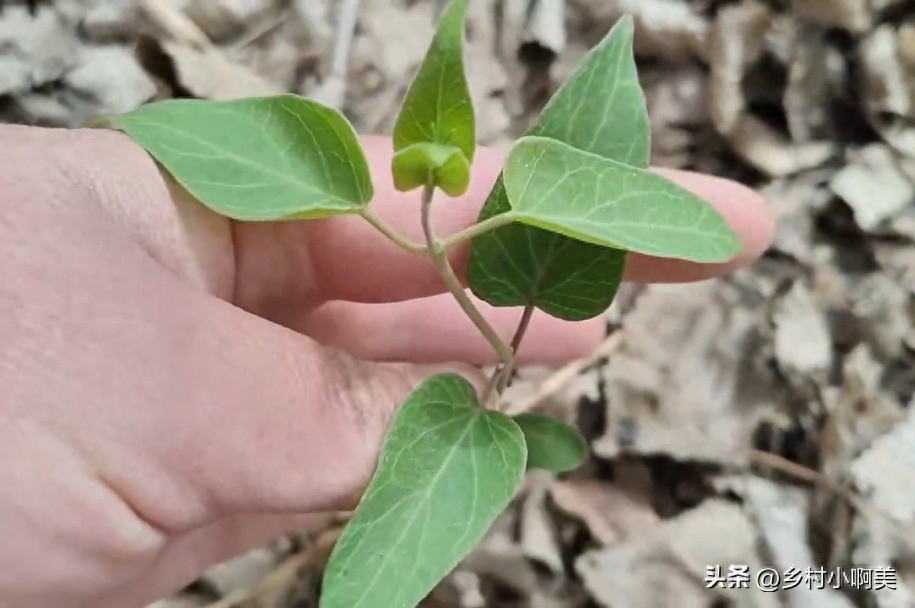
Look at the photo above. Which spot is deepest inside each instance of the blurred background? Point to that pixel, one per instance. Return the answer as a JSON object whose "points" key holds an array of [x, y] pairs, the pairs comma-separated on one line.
{"points": [[761, 420]]}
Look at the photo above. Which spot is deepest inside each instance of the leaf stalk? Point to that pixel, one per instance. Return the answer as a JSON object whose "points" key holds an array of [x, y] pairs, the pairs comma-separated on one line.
{"points": [[523, 324], [400, 240], [468, 234], [446, 244], [501, 377]]}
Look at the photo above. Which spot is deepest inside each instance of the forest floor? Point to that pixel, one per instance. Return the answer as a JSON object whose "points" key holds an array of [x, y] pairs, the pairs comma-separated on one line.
{"points": [[759, 420]]}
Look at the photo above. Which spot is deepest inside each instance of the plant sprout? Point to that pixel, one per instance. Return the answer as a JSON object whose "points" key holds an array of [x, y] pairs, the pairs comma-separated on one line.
{"points": [[575, 197]]}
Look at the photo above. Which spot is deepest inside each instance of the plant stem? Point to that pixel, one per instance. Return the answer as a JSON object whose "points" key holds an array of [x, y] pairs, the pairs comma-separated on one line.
{"points": [[501, 377], [476, 230], [492, 383], [523, 324], [392, 234], [440, 258]]}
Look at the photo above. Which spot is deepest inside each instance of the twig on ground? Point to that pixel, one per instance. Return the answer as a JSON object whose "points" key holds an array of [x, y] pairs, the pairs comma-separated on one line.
{"points": [[811, 476], [333, 90], [276, 584], [262, 29], [169, 18]]}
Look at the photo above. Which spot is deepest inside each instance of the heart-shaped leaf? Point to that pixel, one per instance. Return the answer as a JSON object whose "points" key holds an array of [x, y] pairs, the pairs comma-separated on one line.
{"points": [[438, 108], [555, 186], [448, 468], [551, 444], [448, 166], [258, 159], [600, 109]]}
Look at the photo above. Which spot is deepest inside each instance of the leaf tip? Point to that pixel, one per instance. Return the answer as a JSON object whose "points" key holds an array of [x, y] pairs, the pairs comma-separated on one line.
{"points": [[458, 6], [421, 118], [626, 22]]}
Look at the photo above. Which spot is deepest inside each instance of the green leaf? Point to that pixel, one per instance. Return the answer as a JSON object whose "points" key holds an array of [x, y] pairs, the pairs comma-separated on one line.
{"points": [[448, 468], [582, 195], [448, 165], [257, 159], [437, 108], [600, 109], [551, 444]]}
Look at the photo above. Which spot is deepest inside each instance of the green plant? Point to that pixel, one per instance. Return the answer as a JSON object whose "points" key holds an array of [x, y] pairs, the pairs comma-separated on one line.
{"points": [[574, 199]]}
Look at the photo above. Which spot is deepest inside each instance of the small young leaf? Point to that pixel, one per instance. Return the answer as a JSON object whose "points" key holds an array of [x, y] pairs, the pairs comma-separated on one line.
{"points": [[448, 165], [551, 444], [582, 195], [448, 468], [600, 109], [437, 108], [257, 159]]}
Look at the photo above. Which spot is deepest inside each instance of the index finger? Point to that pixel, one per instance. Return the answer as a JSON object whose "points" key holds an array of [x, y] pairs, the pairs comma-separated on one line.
{"points": [[349, 260]]}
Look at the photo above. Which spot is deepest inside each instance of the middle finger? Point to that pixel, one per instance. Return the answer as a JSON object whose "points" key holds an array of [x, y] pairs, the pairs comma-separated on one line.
{"points": [[435, 330]]}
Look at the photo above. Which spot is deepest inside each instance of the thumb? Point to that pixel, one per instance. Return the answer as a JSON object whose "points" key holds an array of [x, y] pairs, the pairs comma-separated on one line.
{"points": [[274, 422]]}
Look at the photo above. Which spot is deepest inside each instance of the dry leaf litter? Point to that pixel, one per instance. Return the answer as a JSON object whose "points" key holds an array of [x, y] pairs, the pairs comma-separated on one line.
{"points": [[762, 419]]}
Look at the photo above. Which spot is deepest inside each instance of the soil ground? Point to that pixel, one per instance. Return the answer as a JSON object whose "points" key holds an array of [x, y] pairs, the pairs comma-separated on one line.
{"points": [[759, 420]]}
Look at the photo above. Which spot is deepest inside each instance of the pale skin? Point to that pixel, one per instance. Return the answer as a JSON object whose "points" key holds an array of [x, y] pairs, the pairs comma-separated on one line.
{"points": [[176, 389]]}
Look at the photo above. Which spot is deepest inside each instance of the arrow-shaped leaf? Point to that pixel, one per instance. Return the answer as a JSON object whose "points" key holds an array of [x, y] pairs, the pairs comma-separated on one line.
{"points": [[600, 109], [555, 186], [438, 108], [448, 468], [267, 158]]}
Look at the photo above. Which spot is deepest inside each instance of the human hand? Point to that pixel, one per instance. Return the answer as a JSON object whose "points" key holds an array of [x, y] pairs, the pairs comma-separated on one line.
{"points": [[176, 388]]}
